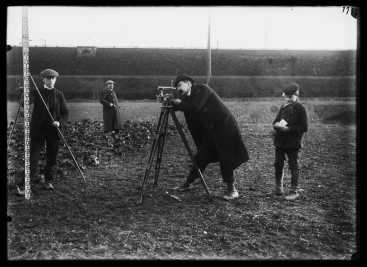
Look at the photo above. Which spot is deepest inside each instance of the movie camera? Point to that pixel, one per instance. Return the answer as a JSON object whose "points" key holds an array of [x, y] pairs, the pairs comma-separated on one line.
{"points": [[166, 94]]}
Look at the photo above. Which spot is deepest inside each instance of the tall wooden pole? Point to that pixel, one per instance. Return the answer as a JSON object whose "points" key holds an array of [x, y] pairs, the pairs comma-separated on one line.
{"points": [[209, 68], [25, 43]]}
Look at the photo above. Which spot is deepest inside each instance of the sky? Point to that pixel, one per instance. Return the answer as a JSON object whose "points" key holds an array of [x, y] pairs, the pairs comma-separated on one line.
{"points": [[231, 27]]}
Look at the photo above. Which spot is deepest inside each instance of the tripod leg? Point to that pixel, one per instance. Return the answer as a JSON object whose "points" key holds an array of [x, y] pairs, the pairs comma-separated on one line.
{"points": [[151, 156], [178, 126], [160, 147], [155, 139]]}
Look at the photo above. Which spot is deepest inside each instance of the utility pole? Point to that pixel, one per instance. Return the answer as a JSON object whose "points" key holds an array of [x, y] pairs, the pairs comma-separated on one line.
{"points": [[266, 34], [209, 68]]}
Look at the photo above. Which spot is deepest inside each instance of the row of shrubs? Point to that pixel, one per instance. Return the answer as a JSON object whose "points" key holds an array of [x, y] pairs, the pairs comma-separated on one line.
{"points": [[153, 61], [228, 87]]}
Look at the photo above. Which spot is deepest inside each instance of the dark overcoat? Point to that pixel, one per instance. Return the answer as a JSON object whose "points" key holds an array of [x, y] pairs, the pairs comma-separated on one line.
{"points": [[111, 115], [208, 117], [296, 116], [57, 106]]}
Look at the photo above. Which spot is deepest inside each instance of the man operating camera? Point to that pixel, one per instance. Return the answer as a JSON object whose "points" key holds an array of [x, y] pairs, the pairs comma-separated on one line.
{"points": [[214, 131]]}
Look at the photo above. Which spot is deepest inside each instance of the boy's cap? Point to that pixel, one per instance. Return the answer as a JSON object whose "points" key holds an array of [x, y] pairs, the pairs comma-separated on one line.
{"points": [[291, 89], [183, 77], [109, 81], [49, 73]]}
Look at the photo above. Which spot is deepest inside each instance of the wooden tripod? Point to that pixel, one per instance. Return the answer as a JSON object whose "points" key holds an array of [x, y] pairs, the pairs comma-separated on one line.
{"points": [[157, 147]]}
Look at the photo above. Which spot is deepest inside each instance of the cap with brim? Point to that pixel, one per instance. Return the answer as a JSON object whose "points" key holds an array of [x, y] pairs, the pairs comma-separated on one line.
{"points": [[183, 77], [49, 73], [291, 89], [109, 82]]}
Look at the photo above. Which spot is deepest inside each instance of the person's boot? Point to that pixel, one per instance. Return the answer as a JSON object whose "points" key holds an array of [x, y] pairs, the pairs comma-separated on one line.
{"points": [[187, 185], [231, 192], [184, 187], [20, 192], [50, 172], [35, 179], [293, 194], [278, 190], [48, 186]]}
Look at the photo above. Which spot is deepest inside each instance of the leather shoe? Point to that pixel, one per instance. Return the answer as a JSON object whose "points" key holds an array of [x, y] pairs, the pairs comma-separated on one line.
{"points": [[292, 196], [48, 186], [184, 187]]}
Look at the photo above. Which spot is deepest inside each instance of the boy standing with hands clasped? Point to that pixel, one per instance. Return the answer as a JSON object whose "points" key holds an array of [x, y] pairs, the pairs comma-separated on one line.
{"points": [[290, 124]]}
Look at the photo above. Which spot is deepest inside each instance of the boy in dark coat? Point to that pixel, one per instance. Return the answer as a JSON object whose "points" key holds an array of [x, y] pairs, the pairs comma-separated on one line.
{"points": [[290, 124], [44, 130], [214, 131], [111, 110]]}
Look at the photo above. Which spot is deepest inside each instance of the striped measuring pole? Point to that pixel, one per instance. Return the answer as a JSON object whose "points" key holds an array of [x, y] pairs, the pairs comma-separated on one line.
{"points": [[25, 43]]}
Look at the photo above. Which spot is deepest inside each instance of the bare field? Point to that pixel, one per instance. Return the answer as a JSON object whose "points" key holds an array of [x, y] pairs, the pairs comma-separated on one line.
{"points": [[100, 219]]}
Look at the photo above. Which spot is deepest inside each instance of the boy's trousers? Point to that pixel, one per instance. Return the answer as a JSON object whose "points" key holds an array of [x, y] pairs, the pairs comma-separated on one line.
{"points": [[293, 157]]}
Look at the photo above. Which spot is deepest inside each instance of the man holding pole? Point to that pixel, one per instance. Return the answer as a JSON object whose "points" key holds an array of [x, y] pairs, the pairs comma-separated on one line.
{"points": [[44, 129]]}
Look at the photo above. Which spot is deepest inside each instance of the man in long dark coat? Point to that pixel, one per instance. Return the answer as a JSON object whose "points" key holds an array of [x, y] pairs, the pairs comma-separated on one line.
{"points": [[214, 131], [111, 110]]}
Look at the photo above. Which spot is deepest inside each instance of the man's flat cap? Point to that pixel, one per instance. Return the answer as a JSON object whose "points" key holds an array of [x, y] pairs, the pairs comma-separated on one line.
{"points": [[49, 73], [291, 89], [183, 77], [109, 81]]}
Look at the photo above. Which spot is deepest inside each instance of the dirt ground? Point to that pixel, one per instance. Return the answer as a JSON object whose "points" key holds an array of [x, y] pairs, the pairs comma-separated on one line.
{"points": [[100, 218]]}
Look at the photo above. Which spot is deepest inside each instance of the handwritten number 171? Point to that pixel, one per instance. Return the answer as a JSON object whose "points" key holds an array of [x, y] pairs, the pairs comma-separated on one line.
{"points": [[353, 11]]}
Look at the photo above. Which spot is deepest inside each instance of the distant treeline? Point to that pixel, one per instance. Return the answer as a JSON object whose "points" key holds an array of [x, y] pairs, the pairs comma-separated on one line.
{"points": [[138, 71]]}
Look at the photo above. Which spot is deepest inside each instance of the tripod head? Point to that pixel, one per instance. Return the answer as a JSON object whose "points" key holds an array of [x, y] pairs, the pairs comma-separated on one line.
{"points": [[166, 94]]}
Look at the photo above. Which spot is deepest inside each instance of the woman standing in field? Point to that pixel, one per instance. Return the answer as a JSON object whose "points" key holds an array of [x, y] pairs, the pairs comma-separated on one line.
{"points": [[111, 110]]}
